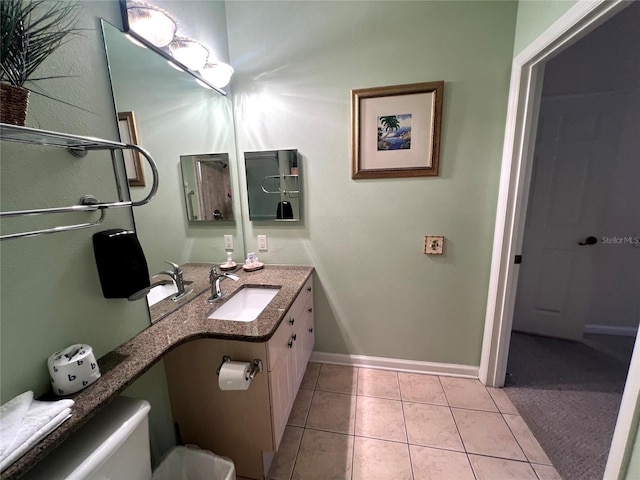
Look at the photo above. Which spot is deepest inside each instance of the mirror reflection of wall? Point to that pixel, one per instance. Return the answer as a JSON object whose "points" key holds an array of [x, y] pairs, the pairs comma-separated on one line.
{"points": [[174, 115], [273, 185], [207, 187]]}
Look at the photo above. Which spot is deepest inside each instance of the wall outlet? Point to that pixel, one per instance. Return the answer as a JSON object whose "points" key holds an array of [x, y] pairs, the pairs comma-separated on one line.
{"points": [[228, 242], [262, 243], [434, 244]]}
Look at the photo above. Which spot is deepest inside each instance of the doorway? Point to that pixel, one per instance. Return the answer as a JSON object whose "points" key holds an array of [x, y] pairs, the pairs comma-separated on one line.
{"points": [[580, 262], [525, 100]]}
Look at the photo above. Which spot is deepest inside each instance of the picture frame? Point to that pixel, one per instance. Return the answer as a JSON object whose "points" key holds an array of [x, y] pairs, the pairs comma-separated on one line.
{"points": [[395, 130], [132, 162]]}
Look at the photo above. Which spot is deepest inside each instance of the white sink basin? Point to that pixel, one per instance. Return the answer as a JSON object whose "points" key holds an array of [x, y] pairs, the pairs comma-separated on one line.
{"points": [[160, 292], [245, 305]]}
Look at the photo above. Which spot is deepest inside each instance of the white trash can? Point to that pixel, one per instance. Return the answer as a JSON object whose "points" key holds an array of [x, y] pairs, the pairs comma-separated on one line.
{"points": [[183, 463]]}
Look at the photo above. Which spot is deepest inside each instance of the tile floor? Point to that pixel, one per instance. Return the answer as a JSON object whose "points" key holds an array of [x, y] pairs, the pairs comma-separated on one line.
{"points": [[360, 423]]}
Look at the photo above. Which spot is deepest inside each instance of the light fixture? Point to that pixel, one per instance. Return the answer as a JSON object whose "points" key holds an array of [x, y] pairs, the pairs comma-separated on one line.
{"points": [[156, 30], [217, 73], [191, 53], [152, 23]]}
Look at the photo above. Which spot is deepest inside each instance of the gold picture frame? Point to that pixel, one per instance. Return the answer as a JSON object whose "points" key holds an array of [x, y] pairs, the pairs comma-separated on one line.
{"points": [[132, 160], [395, 131]]}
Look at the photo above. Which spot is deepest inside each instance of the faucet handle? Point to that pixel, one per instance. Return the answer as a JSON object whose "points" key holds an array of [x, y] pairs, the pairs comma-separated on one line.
{"points": [[213, 274], [176, 267]]}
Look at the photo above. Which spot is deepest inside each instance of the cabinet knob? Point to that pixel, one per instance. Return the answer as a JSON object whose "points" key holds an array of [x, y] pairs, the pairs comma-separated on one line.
{"points": [[310, 309], [292, 321], [290, 344], [294, 336], [311, 330], [308, 289]]}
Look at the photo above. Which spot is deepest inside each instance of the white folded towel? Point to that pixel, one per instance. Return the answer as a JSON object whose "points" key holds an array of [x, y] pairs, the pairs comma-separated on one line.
{"points": [[24, 422], [11, 415]]}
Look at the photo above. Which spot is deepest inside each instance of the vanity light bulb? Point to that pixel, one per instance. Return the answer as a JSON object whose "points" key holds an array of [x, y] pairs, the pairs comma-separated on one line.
{"points": [[152, 23], [190, 53], [219, 74]]}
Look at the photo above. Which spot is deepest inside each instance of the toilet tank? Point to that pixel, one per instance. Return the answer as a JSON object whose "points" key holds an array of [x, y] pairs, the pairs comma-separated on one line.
{"points": [[114, 444]]}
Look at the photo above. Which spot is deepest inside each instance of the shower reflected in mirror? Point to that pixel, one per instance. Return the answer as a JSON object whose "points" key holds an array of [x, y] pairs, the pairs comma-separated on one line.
{"points": [[207, 187]]}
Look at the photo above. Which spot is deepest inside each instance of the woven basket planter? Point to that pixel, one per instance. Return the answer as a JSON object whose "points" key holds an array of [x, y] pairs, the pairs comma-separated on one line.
{"points": [[13, 104]]}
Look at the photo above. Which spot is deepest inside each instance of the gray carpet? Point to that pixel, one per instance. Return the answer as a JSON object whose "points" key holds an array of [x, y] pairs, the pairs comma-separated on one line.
{"points": [[569, 394]]}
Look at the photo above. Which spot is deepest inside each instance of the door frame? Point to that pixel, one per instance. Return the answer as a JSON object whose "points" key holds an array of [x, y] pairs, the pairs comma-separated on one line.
{"points": [[515, 178]]}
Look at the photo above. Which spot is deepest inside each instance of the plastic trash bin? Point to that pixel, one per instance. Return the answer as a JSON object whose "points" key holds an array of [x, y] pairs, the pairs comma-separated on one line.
{"points": [[182, 463]]}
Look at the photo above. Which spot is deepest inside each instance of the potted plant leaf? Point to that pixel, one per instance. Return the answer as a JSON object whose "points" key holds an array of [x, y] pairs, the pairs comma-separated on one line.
{"points": [[30, 31]]}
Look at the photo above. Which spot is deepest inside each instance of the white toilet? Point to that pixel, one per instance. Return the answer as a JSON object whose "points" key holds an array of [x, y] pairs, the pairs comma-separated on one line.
{"points": [[112, 445]]}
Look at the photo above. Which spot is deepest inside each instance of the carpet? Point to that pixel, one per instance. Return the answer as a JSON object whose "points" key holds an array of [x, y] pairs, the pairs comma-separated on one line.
{"points": [[569, 395]]}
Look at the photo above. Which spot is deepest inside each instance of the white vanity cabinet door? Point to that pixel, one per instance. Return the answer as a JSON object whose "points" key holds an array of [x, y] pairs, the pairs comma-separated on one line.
{"points": [[288, 353]]}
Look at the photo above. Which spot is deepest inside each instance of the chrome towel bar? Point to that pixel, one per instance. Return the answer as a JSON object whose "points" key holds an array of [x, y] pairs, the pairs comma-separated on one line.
{"points": [[78, 146]]}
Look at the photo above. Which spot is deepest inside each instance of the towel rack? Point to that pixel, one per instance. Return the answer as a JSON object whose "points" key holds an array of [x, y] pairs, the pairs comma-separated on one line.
{"points": [[77, 146], [279, 190]]}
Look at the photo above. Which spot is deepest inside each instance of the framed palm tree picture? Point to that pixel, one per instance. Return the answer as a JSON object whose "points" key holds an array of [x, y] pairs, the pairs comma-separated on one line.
{"points": [[395, 131]]}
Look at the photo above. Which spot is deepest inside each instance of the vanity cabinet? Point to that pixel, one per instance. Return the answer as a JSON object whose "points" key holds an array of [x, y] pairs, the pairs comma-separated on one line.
{"points": [[244, 425]]}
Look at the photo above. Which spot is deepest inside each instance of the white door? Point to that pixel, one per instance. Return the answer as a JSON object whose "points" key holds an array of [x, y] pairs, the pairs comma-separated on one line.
{"points": [[576, 145]]}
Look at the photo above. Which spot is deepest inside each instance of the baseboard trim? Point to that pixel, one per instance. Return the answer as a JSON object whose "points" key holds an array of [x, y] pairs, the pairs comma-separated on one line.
{"points": [[410, 366], [610, 330]]}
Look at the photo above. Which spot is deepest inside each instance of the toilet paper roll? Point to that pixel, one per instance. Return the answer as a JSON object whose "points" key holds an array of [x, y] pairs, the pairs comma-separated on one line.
{"points": [[72, 369], [234, 376]]}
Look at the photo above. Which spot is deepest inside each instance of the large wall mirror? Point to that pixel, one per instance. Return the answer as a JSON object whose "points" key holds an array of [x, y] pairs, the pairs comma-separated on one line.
{"points": [[177, 118], [273, 185]]}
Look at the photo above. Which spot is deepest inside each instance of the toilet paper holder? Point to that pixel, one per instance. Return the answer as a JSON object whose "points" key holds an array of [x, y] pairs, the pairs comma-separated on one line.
{"points": [[256, 367]]}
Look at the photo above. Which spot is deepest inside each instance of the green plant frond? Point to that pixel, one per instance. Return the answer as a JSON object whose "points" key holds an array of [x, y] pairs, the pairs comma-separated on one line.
{"points": [[30, 31], [53, 77]]}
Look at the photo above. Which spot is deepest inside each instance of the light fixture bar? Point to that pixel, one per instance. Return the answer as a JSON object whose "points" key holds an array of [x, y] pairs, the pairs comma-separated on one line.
{"points": [[126, 29]]}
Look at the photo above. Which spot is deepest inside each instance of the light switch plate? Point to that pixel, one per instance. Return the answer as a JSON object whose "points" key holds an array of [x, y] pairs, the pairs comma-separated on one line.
{"points": [[262, 243], [228, 242], [434, 244]]}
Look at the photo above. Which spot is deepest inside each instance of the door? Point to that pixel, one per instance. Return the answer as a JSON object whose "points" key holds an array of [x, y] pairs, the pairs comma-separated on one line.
{"points": [[576, 146]]}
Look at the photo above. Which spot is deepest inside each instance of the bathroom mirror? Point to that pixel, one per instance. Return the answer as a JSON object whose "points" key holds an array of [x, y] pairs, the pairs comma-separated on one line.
{"points": [[273, 185], [176, 117], [207, 187]]}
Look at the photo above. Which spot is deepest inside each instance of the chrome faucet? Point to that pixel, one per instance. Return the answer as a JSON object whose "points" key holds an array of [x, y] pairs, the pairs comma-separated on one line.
{"points": [[176, 275], [214, 279]]}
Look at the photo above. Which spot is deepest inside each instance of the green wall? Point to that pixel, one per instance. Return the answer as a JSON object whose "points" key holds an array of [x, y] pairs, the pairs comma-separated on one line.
{"points": [[50, 292], [378, 294], [633, 469], [51, 295], [534, 17]]}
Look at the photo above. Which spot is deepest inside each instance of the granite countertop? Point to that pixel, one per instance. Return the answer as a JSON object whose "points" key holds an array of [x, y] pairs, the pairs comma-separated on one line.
{"points": [[122, 366]]}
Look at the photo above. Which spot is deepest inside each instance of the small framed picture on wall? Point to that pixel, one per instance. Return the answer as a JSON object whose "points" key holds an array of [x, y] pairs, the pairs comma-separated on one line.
{"points": [[396, 130]]}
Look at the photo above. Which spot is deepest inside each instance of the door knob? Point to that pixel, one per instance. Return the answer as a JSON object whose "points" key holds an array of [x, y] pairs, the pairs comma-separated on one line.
{"points": [[589, 241]]}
